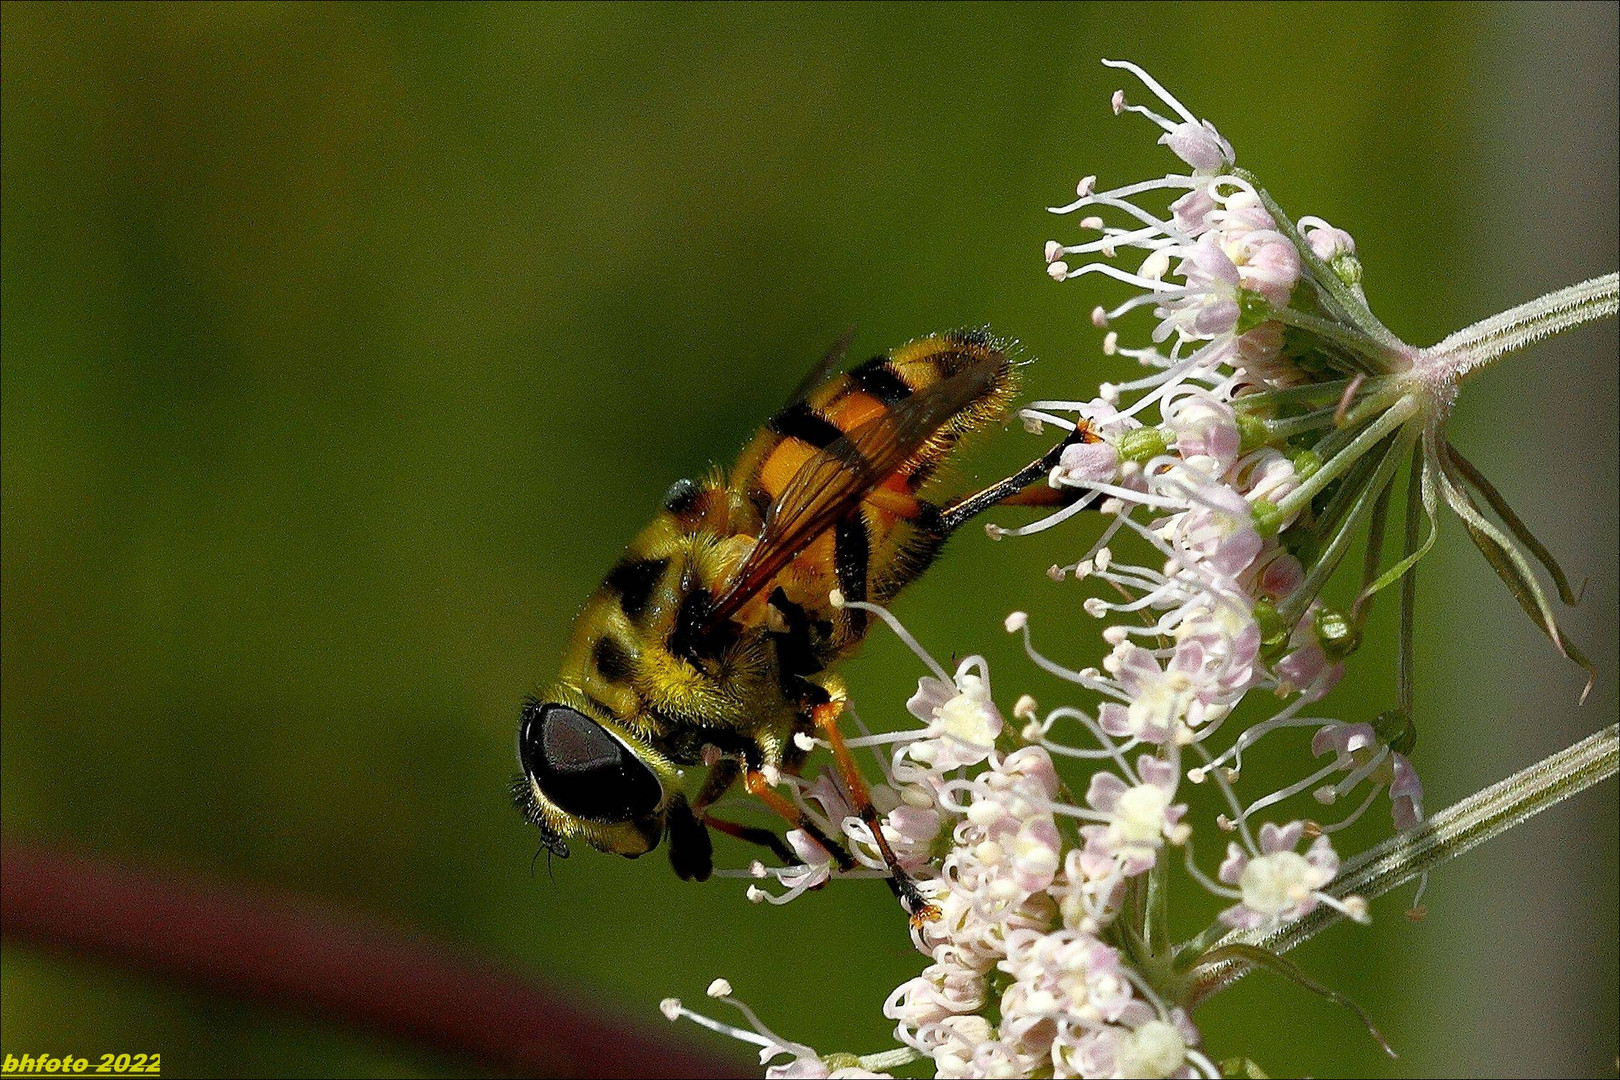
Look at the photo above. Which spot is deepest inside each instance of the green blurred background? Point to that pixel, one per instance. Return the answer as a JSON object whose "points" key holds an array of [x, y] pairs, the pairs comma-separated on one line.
{"points": [[344, 346]]}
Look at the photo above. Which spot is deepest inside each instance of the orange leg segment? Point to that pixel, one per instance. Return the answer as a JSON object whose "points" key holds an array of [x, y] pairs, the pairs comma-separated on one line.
{"points": [[916, 905], [756, 785]]}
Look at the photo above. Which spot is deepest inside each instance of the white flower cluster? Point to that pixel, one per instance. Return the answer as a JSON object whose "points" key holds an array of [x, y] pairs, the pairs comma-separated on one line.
{"points": [[1034, 962]]}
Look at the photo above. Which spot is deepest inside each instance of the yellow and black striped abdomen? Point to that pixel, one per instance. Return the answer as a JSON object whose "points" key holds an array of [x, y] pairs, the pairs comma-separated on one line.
{"points": [[885, 542]]}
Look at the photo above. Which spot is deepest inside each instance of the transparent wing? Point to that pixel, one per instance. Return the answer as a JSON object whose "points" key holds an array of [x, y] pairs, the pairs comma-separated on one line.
{"points": [[824, 368]]}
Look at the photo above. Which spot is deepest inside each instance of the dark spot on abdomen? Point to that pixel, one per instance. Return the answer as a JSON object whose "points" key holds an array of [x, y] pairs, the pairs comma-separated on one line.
{"points": [[800, 421]]}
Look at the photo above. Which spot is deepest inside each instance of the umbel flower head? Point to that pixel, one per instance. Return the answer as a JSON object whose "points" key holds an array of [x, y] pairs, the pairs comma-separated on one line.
{"points": [[1273, 379], [1265, 436]]}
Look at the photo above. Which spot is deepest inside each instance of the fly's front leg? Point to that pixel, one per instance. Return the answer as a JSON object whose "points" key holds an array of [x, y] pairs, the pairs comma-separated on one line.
{"points": [[722, 776], [757, 785]]}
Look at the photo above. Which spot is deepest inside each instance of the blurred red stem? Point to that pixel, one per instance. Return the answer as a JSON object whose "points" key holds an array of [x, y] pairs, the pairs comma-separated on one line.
{"points": [[284, 950]]}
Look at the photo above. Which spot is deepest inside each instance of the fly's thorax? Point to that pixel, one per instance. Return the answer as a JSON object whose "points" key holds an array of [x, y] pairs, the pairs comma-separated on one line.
{"points": [[607, 749], [626, 650]]}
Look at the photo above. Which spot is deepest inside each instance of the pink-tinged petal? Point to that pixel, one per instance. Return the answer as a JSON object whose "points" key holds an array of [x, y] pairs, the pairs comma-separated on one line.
{"points": [[1233, 865], [1199, 145], [1209, 261], [1161, 774], [1138, 860], [1034, 764], [1407, 814], [1097, 858], [931, 694], [1326, 740], [1297, 912], [1271, 269], [1104, 791], [815, 867], [1303, 666], [1245, 644], [1239, 552], [1275, 838], [1104, 413], [826, 792], [1101, 959], [1191, 212], [1406, 795], [1239, 917], [1359, 737], [1324, 683], [1035, 858], [1097, 1053], [1343, 739], [1189, 657], [1136, 667], [912, 823], [1322, 856], [1405, 782], [1085, 463], [1215, 317], [1114, 718], [1328, 243]]}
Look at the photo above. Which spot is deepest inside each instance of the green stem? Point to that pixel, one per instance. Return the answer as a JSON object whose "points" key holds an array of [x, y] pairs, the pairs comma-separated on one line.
{"points": [[1369, 497], [1309, 392], [1358, 343], [1311, 421], [887, 1060], [1474, 347], [1300, 497]]}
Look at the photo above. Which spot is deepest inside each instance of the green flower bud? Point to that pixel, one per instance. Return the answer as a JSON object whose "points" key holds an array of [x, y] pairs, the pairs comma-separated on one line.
{"points": [[1253, 309], [1256, 432], [1306, 462], [1142, 444], [1335, 633], [1395, 730], [1347, 268], [1266, 519], [1273, 631]]}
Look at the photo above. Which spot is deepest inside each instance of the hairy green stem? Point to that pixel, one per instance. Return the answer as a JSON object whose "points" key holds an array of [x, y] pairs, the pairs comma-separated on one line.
{"points": [[1443, 837], [1475, 346]]}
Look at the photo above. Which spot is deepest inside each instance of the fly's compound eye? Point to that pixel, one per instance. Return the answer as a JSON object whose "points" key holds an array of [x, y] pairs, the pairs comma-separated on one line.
{"points": [[584, 769]]}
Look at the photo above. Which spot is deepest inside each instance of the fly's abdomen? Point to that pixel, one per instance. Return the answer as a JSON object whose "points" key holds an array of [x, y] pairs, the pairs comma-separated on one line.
{"points": [[890, 537]]}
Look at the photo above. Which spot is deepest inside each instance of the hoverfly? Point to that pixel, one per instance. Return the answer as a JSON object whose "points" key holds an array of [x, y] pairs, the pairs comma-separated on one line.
{"points": [[709, 642]]}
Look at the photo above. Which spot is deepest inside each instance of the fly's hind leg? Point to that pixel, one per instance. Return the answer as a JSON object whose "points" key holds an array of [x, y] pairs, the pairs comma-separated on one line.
{"points": [[825, 717], [1018, 489]]}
